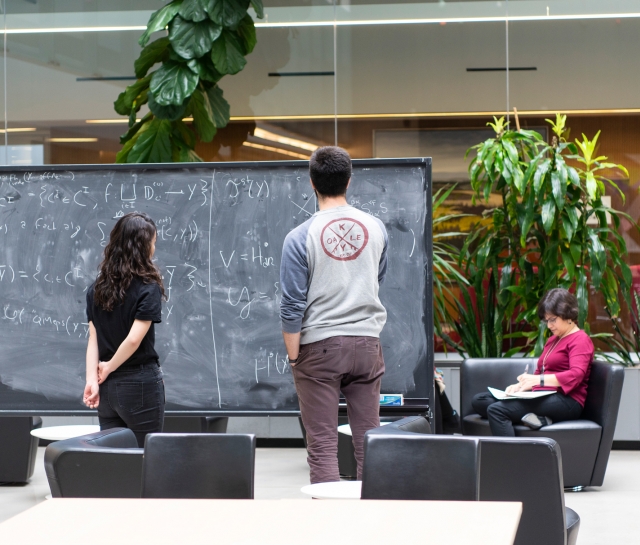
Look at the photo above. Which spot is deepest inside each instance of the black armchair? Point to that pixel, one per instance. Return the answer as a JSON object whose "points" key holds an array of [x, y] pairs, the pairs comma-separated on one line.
{"points": [[585, 443], [199, 466], [18, 448], [403, 462], [105, 464], [529, 470]]}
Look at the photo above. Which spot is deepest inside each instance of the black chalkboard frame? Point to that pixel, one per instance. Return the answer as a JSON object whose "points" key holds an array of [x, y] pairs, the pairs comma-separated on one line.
{"points": [[423, 375]]}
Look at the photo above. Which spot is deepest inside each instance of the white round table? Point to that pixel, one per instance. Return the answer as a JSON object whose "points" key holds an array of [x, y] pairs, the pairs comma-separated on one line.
{"points": [[58, 433], [346, 428], [339, 490]]}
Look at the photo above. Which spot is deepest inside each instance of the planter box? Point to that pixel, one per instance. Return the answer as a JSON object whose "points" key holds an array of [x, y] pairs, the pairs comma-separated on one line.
{"points": [[628, 425]]}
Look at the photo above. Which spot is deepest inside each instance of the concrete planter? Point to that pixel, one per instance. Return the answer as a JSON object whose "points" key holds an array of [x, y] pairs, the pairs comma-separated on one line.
{"points": [[628, 425]]}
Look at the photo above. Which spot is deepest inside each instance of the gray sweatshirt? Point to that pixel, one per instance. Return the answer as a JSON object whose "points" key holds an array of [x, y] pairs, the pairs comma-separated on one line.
{"points": [[332, 266]]}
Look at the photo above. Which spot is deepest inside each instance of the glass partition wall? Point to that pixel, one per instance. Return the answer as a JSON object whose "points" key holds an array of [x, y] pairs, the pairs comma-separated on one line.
{"points": [[378, 77]]}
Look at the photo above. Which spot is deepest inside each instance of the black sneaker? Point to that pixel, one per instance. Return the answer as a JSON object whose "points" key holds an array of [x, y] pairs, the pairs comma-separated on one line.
{"points": [[536, 422]]}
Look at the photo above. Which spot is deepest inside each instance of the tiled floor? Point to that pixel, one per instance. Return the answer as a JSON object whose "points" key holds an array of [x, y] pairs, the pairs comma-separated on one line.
{"points": [[608, 514]]}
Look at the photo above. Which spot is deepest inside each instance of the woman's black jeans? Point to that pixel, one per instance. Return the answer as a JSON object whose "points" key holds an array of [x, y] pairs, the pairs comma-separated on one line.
{"points": [[133, 397], [502, 415]]}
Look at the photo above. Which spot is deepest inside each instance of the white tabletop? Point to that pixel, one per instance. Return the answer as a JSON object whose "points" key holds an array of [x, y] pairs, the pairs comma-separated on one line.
{"points": [[77, 521], [339, 490], [58, 433], [346, 428]]}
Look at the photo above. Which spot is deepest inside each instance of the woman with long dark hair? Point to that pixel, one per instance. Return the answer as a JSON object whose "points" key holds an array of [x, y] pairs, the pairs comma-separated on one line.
{"points": [[124, 380], [563, 368]]}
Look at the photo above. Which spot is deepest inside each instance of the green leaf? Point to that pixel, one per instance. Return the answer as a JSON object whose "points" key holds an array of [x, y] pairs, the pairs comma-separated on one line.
{"points": [[171, 112], [626, 273], [567, 228], [227, 53], [205, 69], [247, 31], [558, 188], [192, 40], [151, 54], [541, 172], [125, 100], [511, 150], [186, 134], [574, 178], [258, 8], [134, 129], [154, 145], [182, 152], [123, 155], [172, 83], [159, 20], [592, 186], [573, 216], [202, 115], [568, 262], [219, 107], [227, 12], [598, 250], [193, 10], [548, 215]]}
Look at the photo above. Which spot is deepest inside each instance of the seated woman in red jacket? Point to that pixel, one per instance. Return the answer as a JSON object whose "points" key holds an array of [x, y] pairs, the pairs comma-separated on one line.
{"points": [[563, 366]]}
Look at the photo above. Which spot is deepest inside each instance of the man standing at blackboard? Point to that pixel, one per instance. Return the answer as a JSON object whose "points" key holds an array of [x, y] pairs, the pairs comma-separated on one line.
{"points": [[331, 270]]}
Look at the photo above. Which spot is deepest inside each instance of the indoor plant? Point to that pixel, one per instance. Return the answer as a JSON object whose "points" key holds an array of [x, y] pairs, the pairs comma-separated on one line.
{"points": [[206, 40], [540, 237]]}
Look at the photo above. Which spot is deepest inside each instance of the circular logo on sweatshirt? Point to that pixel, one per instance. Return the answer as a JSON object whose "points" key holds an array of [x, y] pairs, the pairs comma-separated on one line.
{"points": [[344, 239]]}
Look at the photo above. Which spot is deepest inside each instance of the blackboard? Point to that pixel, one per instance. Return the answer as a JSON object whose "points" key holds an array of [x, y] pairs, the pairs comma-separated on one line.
{"points": [[220, 232]]}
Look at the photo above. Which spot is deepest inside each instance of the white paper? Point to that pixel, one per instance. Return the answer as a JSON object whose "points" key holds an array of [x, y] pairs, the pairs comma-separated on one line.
{"points": [[501, 394]]}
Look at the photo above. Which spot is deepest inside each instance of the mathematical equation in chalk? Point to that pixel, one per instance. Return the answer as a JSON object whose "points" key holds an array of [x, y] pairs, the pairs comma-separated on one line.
{"points": [[10, 274], [243, 299], [126, 195], [45, 223], [268, 363], [16, 315], [254, 256]]}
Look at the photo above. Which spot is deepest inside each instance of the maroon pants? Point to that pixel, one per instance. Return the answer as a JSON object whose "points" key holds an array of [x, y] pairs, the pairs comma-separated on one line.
{"points": [[353, 365]]}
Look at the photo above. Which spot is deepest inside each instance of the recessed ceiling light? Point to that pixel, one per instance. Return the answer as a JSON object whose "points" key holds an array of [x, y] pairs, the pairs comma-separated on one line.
{"points": [[275, 150], [63, 140], [268, 135], [20, 129]]}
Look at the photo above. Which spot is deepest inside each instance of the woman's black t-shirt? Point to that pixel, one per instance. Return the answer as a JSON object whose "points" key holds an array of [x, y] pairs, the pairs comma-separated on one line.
{"points": [[141, 302]]}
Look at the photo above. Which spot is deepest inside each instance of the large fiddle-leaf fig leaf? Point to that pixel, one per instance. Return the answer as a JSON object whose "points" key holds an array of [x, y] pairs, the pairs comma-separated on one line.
{"points": [[125, 100], [227, 13], [202, 115], [154, 144], [172, 112], [205, 69], [247, 31], [193, 10], [206, 39], [150, 55], [123, 155], [135, 128], [219, 107], [192, 40], [227, 53], [172, 83], [258, 8], [159, 20]]}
